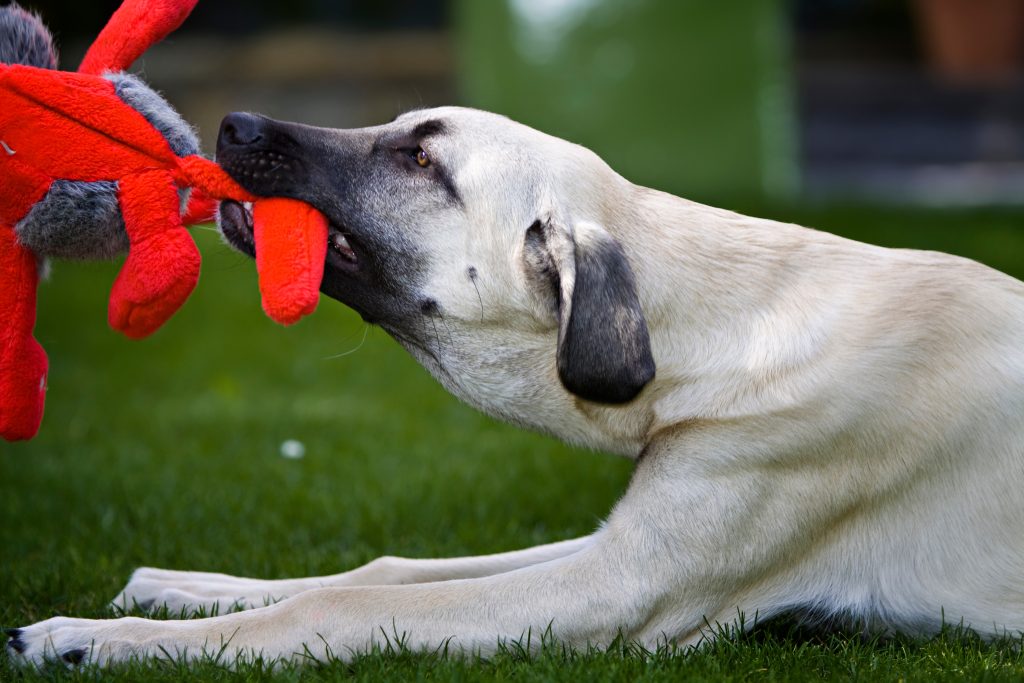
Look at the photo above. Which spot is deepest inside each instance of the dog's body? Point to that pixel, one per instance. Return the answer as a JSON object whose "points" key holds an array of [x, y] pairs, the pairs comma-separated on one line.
{"points": [[818, 424]]}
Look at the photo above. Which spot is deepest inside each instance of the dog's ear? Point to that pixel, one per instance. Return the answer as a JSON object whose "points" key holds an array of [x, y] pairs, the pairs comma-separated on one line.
{"points": [[604, 352]]}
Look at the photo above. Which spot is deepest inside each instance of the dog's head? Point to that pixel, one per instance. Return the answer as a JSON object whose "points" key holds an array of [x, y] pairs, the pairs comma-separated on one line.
{"points": [[480, 244]]}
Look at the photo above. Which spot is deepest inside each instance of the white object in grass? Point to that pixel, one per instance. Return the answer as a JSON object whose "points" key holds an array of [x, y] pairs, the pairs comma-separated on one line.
{"points": [[292, 449]]}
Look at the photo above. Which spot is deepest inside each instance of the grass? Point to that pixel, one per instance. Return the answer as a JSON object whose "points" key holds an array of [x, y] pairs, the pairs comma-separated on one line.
{"points": [[166, 452]]}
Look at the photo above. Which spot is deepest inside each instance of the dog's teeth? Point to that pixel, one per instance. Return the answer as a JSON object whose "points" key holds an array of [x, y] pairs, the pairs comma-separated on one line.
{"points": [[340, 245]]}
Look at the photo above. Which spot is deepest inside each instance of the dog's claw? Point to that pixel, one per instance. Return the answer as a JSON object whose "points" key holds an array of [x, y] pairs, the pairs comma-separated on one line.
{"points": [[15, 642]]}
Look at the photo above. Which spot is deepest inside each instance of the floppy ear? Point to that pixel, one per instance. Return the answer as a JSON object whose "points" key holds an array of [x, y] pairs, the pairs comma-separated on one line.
{"points": [[604, 352]]}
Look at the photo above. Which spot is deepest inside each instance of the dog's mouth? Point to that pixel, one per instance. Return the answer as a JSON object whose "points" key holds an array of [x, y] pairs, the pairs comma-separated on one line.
{"points": [[236, 224]]}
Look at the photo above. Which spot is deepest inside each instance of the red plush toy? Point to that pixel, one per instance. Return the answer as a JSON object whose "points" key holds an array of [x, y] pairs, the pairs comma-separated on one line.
{"points": [[94, 162]]}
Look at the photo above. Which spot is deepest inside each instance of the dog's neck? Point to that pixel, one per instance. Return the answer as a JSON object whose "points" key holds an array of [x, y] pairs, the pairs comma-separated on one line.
{"points": [[736, 306]]}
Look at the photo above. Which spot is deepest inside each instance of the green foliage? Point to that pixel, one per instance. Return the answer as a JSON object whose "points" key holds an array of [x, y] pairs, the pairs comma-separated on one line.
{"points": [[166, 452]]}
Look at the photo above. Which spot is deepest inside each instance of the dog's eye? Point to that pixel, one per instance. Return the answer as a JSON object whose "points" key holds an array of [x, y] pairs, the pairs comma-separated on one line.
{"points": [[421, 157]]}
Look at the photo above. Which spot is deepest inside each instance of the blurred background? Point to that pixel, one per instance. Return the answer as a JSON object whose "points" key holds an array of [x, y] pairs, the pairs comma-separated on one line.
{"points": [[227, 443], [908, 101]]}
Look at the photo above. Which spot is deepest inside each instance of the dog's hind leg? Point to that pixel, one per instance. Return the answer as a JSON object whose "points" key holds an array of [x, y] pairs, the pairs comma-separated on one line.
{"points": [[189, 591]]}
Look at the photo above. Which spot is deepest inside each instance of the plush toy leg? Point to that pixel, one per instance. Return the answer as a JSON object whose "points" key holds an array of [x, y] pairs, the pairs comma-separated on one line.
{"points": [[22, 360], [162, 267], [135, 26], [291, 245]]}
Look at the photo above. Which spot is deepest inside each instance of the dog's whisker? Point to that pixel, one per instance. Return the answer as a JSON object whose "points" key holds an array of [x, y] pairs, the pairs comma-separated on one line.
{"points": [[448, 328], [480, 299], [366, 331], [437, 337]]}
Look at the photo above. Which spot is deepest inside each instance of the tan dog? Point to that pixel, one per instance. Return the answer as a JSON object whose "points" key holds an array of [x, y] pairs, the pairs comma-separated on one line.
{"points": [[818, 424]]}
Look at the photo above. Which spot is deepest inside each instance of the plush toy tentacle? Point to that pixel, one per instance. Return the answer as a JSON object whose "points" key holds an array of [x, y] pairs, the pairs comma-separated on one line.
{"points": [[290, 237], [210, 179], [162, 267], [291, 246], [23, 362], [135, 26]]}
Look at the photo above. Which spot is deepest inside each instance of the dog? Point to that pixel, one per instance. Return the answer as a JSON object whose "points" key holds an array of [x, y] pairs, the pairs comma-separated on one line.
{"points": [[818, 425]]}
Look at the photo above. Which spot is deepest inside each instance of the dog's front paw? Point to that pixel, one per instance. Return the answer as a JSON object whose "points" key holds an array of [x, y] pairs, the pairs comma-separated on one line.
{"points": [[189, 594], [58, 639], [227, 639], [99, 641]]}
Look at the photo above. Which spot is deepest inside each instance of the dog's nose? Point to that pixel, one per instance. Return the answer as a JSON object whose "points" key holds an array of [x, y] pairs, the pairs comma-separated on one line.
{"points": [[240, 129]]}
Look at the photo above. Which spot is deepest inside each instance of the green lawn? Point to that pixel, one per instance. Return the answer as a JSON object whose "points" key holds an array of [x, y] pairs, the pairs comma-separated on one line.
{"points": [[166, 452]]}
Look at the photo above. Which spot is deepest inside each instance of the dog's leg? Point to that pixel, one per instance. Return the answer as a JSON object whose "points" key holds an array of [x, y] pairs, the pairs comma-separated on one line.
{"points": [[190, 591], [584, 597], [674, 550], [695, 540]]}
